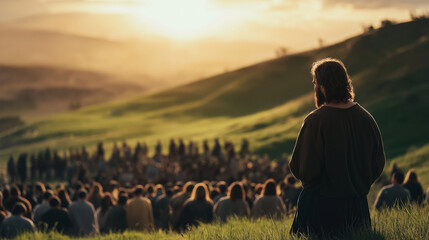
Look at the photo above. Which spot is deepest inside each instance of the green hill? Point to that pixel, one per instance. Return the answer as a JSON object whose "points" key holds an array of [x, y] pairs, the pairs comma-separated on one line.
{"points": [[265, 103]]}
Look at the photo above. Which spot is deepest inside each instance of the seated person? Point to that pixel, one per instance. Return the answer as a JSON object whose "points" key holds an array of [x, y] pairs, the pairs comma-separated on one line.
{"points": [[55, 217], [16, 224], [393, 195]]}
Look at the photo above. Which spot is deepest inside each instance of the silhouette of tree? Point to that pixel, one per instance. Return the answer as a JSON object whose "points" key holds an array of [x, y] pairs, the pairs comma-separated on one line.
{"points": [[386, 23], [368, 28], [415, 16], [281, 52], [321, 42]]}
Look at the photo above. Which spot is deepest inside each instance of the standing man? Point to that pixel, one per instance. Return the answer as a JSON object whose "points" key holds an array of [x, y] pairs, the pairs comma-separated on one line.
{"points": [[22, 167], [338, 155], [11, 170]]}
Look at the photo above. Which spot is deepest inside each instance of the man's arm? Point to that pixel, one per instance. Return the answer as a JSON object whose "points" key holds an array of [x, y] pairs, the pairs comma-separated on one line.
{"points": [[306, 163]]}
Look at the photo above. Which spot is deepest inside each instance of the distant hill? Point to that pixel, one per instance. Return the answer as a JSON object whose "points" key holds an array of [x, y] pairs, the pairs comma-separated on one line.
{"points": [[31, 92], [265, 103]]}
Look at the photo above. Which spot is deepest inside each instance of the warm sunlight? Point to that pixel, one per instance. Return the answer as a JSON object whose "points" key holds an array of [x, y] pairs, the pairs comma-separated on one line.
{"points": [[180, 19]]}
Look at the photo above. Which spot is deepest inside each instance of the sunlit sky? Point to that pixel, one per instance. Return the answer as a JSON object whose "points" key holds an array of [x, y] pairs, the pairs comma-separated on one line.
{"points": [[274, 21]]}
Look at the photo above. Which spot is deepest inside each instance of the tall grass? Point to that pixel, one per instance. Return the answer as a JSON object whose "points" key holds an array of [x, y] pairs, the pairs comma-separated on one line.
{"points": [[409, 223]]}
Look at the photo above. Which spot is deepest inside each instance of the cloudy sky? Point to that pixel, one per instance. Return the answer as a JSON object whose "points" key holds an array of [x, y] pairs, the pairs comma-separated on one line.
{"points": [[296, 24]]}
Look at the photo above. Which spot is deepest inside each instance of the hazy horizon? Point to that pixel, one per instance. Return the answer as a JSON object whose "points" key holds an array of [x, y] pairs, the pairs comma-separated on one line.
{"points": [[296, 25]]}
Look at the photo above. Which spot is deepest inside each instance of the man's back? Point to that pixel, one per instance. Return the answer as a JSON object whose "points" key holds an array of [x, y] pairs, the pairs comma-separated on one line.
{"points": [[15, 225], [58, 218], [115, 219], [391, 195], [269, 206], [227, 207], [82, 215], [177, 202], [339, 152], [39, 210], [139, 214]]}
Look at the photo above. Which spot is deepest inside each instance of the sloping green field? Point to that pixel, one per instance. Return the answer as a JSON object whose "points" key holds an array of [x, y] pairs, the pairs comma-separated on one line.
{"points": [[265, 103]]}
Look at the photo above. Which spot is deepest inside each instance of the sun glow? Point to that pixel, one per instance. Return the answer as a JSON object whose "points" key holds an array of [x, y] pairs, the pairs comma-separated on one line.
{"points": [[180, 19]]}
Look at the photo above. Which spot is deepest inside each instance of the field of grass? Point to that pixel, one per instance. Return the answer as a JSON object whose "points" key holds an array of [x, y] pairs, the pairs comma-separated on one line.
{"points": [[265, 103], [412, 223]]}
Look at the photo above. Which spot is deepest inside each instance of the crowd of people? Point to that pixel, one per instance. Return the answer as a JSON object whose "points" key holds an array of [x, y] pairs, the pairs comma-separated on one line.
{"points": [[181, 163], [134, 191]]}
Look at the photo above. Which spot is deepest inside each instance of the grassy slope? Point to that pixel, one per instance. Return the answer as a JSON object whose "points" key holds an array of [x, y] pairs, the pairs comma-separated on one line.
{"points": [[265, 103], [394, 225]]}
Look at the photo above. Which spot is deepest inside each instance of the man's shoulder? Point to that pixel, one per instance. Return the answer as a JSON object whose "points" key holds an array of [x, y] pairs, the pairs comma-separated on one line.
{"points": [[314, 115], [387, 188], [57, 211], [80, 204], [18, 220], [394, 189], [224, 200], [41, 207], [139, 201]]}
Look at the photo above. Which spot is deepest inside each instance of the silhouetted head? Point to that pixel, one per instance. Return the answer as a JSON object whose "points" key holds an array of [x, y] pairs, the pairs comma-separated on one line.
{"points": [[46, 195], [269, 188], [169, 192], [150, 189], [200, 193], [331, 82], [82, 194], [411, 177], [236, 191], [189, 186], [398, 178], [54, 202], [222, 187], [138, 191], [122, 201], [19, 209]]}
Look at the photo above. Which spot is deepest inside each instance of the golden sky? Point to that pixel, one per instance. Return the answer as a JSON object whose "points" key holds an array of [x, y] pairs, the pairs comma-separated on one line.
{"points": [[296, 24]]}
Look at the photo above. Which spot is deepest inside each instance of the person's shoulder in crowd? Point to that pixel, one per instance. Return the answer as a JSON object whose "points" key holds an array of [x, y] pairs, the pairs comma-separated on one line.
{"points": [[14, 225], [19, 220]]}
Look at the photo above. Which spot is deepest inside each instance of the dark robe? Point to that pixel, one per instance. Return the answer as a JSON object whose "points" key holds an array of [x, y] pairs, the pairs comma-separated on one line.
{"points": [[194, 212], [338, 155], [416, 192], [163, 206], [56, 218], [116, 220]]}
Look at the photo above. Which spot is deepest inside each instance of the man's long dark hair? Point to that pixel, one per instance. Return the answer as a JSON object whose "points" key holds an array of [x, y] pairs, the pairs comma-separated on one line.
{"points": [[331, 74]]}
